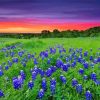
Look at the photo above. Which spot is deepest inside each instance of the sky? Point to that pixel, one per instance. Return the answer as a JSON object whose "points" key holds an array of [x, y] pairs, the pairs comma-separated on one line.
{"points": [[37, 15]]}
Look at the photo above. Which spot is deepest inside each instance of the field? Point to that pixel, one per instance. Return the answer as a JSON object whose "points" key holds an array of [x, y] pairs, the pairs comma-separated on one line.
{"points": [[50, 69]]}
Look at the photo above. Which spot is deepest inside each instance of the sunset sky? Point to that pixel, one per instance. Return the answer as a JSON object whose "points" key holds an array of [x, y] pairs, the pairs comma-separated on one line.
{"points": [[37, 15]]}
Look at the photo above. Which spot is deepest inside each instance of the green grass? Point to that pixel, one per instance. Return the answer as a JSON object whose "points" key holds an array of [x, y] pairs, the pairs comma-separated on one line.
{"points": [[38, 45]]}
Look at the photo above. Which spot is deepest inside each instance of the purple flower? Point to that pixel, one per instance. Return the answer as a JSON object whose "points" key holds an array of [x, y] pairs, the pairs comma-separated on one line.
{"points": [[74, 82], [6, 67], [95, 60], [52, 86], [17, 83], [79, 88], [35, 61], [53, 68], [9, 63], [81, 71], [86, 53], [93, 76], [63, 79], [15, 60], [29, 56], [52, 89], [12, 54], [24, 64], [59, 63], [65, 67], [97, 82], [88, 95], [86, 65], [20, 53], [48, 61], [22, 74], [53, 81], [44, 84], [48, 72], [41, 94], [1, 93], [73, 64], [91, 57], [30, 85], [98, 59], [34, 74], [1, 72], [85, 77]]}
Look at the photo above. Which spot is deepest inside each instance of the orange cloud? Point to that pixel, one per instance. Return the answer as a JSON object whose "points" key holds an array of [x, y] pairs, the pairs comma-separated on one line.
{"points": [[21, 27]]}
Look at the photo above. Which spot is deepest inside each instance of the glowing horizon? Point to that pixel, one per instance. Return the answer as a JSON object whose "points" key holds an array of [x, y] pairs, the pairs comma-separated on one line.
{"points": [[17, 27]]}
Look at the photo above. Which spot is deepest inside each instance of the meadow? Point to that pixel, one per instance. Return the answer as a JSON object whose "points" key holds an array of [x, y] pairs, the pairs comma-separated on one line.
{"points": [[50, 69]]}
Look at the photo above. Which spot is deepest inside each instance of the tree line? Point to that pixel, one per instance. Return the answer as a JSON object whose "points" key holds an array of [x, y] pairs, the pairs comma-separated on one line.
{"points": [[91, 32]]}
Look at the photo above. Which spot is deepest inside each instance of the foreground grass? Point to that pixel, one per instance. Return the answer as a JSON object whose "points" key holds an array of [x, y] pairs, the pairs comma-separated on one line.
{"points": [[38, 45]]}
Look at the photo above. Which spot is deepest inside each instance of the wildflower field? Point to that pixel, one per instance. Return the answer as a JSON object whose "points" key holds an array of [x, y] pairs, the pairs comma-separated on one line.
{"points": [[50, 69]]}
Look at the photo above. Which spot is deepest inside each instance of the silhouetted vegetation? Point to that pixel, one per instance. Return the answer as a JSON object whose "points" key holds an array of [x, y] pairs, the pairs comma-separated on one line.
{"points": [[92, 32]]}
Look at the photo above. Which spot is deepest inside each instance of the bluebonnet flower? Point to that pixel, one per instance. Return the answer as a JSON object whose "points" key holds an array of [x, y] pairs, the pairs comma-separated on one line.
{"points": [[6, 67], [85, 77], [52, 50], [35, 61], [53, 81], [98, 59], [88, 95], [91, 57], [44, 84], [34, 74], [22, 74], [53, 68], [21, 80], [79, 88], [41, 93], [74, 82], [15, 60], [86, 53], [59, 63], [97, 82], [1, 93], [48, 61], [1, 72], [65, 67], [29, 56], [81, 71], [52, 86], [95, 60], [48, 72], [12, 54], [9, 63], [20, 54], [16, 83], [30, 85], [68, 64], [52, 89], [0, 67], [36, 69], [67, 59], [73, 64], [93, 76], [79, 59], [41, 72], [63, 79], [86, 65], [24, 64]]}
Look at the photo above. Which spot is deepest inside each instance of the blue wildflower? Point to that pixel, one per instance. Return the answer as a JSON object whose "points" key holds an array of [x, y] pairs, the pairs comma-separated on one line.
{"points": [[79, 88], [88, 95], [30, 85]]}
